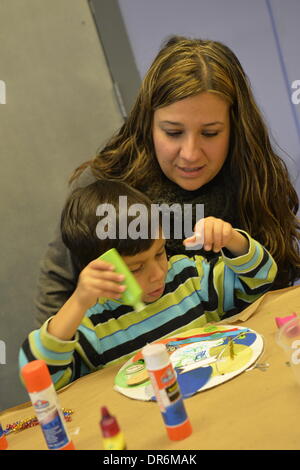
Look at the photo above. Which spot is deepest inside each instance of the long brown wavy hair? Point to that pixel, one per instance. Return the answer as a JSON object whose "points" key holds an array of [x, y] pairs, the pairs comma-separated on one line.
{"points": [[185, 67]]}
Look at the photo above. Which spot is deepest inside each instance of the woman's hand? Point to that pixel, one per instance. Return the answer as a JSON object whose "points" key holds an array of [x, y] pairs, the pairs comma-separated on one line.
{"points": [[215, 234]]}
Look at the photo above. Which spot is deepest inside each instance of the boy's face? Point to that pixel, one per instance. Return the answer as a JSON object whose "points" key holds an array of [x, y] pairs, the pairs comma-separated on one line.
{"points": [[150, 269]]}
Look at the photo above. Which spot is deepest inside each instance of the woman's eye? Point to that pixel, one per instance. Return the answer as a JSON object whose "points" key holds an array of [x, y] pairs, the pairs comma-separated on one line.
{"points": [[179, 133], [173, 133], [210, 134]]}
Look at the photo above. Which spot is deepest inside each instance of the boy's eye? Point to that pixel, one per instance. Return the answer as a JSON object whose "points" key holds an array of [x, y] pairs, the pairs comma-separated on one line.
{"points": [[136, 270], [140, 268], [161, 253]]}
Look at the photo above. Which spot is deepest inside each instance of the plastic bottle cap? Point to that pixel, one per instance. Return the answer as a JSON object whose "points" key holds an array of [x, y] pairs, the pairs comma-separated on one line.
{"points": [[156, 356], [108, 423], [138, 306], [36, 376], [3, 440], [280, 321], [3, 443]]}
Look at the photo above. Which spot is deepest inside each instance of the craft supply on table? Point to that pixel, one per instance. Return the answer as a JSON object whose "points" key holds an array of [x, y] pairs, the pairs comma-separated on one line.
{"points": [[3, 440], [280, 321], [44, 399], [167, 391], [136, 373], [113, 438], [27, 423], [288, 338], [133, 293], [202, 358]]}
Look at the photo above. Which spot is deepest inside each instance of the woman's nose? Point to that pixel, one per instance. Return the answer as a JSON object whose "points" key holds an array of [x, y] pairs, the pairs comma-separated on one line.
{"points": [[191, 150]]}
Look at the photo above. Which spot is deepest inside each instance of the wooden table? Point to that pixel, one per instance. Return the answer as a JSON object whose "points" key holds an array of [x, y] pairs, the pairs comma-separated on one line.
{"points": [[255, 410]]}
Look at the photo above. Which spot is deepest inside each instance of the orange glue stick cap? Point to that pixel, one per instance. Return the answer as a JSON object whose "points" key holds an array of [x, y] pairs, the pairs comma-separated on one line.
{"points": [[3, 440], [36, 376]]}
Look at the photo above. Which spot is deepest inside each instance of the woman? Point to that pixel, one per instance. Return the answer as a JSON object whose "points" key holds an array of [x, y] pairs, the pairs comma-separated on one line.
{"points": [[194, 136]]}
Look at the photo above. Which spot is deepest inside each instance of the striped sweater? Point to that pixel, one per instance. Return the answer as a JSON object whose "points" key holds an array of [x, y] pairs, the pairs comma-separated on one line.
{"points": [[196, 292]]}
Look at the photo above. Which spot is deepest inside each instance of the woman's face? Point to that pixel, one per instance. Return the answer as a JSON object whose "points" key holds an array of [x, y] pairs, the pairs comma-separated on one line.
{"points": [[191, 139]]}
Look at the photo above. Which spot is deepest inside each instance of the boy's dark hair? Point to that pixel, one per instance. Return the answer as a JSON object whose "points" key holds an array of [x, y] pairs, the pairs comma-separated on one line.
{"points": [[79, 221]]}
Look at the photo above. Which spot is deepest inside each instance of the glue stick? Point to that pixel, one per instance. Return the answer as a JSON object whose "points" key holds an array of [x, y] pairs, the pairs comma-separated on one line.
{"points": [[133, 293], [3, 440], [44, 399], [167, 391]]}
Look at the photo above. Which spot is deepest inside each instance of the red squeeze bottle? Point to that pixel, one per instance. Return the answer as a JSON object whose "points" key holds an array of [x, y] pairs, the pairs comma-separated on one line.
{"points": [[44, 399], [113, 438]]}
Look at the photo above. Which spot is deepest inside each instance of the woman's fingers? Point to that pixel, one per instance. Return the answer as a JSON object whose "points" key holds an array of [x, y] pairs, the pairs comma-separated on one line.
{"points": [[197, 238], [208, 234], [217, 235], [211, 233]]}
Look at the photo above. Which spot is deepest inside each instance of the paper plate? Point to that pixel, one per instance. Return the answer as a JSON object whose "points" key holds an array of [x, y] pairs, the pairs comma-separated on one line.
{"points": [[202, 358]]}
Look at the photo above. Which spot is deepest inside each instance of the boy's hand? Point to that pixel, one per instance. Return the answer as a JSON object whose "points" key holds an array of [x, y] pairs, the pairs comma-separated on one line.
{"points": [[215, 234], [98, 279]]}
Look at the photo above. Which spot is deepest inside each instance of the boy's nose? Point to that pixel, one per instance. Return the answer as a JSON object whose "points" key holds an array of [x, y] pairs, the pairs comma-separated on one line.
{"points": [[157, 274]]}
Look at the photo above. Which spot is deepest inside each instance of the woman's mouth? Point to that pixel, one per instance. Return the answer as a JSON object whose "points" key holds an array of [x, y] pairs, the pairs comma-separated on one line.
{"points": [[190, 171]]}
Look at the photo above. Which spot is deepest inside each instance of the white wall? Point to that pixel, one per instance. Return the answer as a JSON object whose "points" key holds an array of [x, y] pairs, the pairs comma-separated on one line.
{"points": [[60, 107], [264, 34]]}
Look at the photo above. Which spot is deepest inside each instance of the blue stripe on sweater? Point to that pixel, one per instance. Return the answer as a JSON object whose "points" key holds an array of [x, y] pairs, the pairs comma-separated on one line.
{"points": [[148, 324], [177, 267], [50, 355], [250, 264]]}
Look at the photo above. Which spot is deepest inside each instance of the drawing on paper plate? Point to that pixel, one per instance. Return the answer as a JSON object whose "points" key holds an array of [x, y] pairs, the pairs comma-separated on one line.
{"points": [[202, 358]]}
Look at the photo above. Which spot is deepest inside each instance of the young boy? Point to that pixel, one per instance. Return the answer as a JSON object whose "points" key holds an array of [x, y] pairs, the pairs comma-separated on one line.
{"points": [[179, 294]]}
